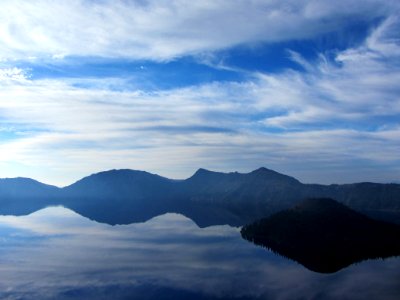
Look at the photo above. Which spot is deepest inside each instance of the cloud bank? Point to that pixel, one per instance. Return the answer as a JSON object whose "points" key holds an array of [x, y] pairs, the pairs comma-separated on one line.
{"points": [[335, 120], [164, 30]]}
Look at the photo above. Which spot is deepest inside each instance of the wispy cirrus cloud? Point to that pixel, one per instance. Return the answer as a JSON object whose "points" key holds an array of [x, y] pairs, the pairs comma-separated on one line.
{"points": [[337, 114], [335, 120], [359, 85], [164, 30]]}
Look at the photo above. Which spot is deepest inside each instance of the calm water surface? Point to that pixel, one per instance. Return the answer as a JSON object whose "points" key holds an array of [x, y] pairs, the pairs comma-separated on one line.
{"points": [[57, 254]]}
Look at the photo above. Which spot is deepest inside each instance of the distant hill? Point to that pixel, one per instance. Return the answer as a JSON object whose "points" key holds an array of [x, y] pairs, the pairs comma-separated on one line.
{"points": [[209, 198], [248, 196], [119, 196], [123, 184], [324, 235], [19, 196], [263, 192]]}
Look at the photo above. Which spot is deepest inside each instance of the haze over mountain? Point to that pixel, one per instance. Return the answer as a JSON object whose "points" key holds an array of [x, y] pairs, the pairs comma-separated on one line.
{"points": [[127, 196], [324, 235]]}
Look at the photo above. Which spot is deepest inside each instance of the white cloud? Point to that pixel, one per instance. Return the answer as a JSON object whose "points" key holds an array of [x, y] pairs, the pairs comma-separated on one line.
{"points": [[163, 30], [13, 74], [87, 131], [362, 87], [301, 123]]}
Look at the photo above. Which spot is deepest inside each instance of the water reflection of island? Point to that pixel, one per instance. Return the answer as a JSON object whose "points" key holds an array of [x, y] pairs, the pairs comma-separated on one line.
{"points": [[324, 235]]}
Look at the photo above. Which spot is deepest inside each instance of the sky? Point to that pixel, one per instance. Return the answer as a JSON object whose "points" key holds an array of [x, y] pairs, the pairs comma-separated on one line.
{"points": [[307, 88]]}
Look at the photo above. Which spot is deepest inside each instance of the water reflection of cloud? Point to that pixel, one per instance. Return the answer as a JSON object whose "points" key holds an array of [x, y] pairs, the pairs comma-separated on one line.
{"points": [[59, 254]]}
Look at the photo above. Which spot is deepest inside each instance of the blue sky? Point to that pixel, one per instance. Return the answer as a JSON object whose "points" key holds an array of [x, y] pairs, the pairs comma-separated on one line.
{"points": [[307, 88]]}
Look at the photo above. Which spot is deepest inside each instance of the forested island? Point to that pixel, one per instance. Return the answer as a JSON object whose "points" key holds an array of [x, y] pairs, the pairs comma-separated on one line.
{"points": [[324, 235]]}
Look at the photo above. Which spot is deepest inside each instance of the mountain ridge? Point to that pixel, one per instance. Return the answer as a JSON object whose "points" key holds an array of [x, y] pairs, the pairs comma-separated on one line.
{"points": [[124, 195], [199, 170]]}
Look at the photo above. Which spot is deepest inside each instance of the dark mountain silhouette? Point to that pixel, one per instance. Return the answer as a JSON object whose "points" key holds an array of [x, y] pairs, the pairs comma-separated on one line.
{"points": [[324, 235], [208, 198], [263, 192], [123, 184], [245, 197], [120, 196]]}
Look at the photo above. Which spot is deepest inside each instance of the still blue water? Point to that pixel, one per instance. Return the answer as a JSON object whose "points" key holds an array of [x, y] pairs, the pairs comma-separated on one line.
{"points": [[55, 253]]}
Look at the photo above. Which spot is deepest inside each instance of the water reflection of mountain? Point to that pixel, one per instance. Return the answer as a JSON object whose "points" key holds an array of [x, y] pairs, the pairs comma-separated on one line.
{"points": [[208, 198], [324, 235], [55, 253]]}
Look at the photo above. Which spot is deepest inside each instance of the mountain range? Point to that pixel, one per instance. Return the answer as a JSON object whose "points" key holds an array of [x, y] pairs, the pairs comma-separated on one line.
{"points": [[207, 197]]}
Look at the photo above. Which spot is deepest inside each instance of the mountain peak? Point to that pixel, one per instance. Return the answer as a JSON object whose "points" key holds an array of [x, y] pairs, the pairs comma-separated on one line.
{"points": [[263, 170], [24, 181], [200, 173], [272, 175], [120, 173], [202, 170]]}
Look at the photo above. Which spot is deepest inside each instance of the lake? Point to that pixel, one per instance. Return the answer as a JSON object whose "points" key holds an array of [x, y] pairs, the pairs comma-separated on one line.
{"points": [[55, 253]]}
